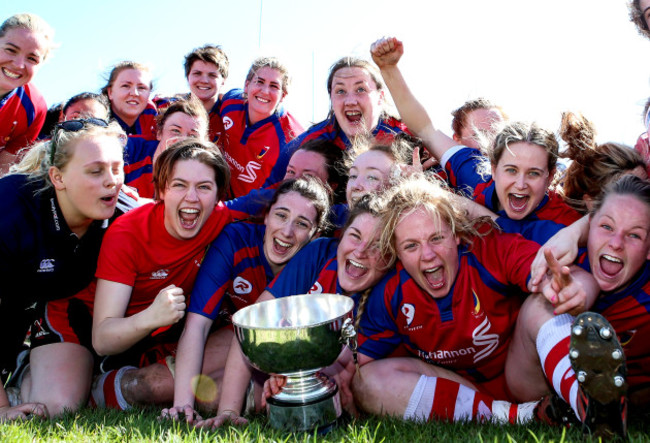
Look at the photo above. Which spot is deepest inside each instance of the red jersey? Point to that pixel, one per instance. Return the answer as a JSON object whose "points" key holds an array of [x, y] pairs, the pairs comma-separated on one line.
{"points": [[22, 114], [139, 252]]}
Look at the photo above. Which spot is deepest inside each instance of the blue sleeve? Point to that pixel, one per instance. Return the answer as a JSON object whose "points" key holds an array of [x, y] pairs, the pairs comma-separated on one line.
{"points": [[215, 275], [463, 170], [299, 275], [376, 327], [251, 204], [539, 231], [280, 167]]}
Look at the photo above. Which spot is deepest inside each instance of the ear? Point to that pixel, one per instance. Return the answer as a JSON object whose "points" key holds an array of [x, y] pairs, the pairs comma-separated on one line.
{"points": [[458, 140], [56, 177]]}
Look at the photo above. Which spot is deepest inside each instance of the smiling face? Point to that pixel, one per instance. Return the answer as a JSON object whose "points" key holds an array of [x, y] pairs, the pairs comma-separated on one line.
{"points": [[290, 224], [129, 94], [205, 82], [619, 241], [88, 185], [189, 198], [307, 163], [360, 264], [356, 102], [428, 249], [521, 178], [21, 54], [264, 92], [370, 172]]}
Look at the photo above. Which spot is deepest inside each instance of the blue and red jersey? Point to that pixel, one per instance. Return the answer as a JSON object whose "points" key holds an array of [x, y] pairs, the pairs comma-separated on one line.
{"points": [[234, 267], [138, 165], [468, 330], [252, 150], [462, 165], [313, 270], [330, 130], [144, 126], [22, 114], [628, 311]]}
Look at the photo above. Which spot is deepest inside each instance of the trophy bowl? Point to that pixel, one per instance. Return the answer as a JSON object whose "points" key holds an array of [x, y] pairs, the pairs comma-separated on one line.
{"points": [[296, 336]]}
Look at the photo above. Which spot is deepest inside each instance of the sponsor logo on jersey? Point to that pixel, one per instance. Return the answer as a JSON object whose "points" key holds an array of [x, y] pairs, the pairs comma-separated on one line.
{"points": [[446, 355], [47, 265], [264, 150], [317, 288], [227, 123], [160, 274], [409, 312], [250, 176], [481, 338], [40, 330], [242, 286]]}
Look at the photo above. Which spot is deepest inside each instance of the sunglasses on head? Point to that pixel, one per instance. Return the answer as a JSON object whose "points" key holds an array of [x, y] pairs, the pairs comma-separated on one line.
{"points": [[73, 126]]}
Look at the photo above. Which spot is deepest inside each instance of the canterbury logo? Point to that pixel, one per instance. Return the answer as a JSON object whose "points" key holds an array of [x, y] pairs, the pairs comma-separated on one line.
{"points": [[250, 176], [242, 286], [227, 123], [316, 289], [480, 337], [47, 265], [409, 312], [159, 275]]}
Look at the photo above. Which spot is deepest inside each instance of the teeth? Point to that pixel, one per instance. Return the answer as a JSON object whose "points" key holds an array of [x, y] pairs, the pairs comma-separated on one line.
{"points": [[263, 100], [10, 74], [352, 113], [356, 264], [190, 211], [428, 271], [520, 195], [612, 259], [283, 244]]}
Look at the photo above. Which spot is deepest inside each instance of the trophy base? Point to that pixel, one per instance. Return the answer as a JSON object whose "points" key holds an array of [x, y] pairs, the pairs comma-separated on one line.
{"points": [[322, 413]]}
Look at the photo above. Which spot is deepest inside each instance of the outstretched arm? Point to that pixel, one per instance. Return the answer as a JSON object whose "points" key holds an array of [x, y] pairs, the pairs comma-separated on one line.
{"points": [[386, 53]]}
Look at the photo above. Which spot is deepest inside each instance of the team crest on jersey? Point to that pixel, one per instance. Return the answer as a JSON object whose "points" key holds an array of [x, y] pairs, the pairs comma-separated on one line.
{"points": [[409, 312], [40, 331], [242, 286], [481, 338], [626, 337], [250, 175], [476, 312], [160, 274], [46, 265], [316, 289], [227, 123]]}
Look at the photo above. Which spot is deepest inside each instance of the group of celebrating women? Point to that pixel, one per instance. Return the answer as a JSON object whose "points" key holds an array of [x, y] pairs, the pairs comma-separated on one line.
{"points": [[136, 226]]}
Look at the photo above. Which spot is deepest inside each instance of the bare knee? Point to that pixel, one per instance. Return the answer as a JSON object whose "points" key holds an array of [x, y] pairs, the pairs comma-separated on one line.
{"points": [[149, 385]]}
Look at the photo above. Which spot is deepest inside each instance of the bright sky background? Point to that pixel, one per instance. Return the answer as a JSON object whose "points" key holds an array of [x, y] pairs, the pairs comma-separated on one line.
{"points": [[534, 58]]}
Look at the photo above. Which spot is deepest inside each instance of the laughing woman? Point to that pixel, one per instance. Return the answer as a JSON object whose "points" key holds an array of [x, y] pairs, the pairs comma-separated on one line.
{"points": [[25, 42], [239, 265], [147, 264]]}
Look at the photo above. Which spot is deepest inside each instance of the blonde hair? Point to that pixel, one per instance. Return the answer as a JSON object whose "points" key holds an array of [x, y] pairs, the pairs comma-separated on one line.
{"points": [[31, 22], [418, 192], [38, 160], [273, 63]]}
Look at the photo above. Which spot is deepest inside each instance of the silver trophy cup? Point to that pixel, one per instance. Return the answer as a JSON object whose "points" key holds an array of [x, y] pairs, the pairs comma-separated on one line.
{"points": [[297, 336]]}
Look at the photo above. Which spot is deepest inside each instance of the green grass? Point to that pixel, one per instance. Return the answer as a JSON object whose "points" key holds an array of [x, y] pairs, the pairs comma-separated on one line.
{"points": [[142, 425]]}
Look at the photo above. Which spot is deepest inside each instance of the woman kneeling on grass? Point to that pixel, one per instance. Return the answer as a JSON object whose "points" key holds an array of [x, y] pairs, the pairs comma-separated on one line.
{"points": [[238, 266], [147, 263], [451, 302]]}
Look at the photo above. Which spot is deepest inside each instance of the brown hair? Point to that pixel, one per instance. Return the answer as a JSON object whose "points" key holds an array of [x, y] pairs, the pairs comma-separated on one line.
{"points": [[593, 165], [636, 17], [518, 132], [461, 114], [313, 190], [208, 54], [189, 106], [191, 149], [123, 66], [626, 185]]}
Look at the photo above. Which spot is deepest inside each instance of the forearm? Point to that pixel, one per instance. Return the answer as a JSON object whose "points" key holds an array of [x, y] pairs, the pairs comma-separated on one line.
{"points": [[118, 334], [189, 358], [236, 378]]}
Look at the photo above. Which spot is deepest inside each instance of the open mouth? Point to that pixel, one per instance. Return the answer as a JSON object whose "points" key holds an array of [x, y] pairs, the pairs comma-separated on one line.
{"points": [[610, 265], [280, 247], [518, 202], [435, 277], [189, 217], [355, 269], [11, 74], [109, 199], [354, 116]]}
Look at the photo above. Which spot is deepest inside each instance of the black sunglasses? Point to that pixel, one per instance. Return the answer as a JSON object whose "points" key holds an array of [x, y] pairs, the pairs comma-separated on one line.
{"points": [[73, 126]]}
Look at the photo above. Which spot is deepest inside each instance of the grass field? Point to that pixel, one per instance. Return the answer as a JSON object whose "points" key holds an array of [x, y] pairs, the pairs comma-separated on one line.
{"points": [[142, 425]]}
